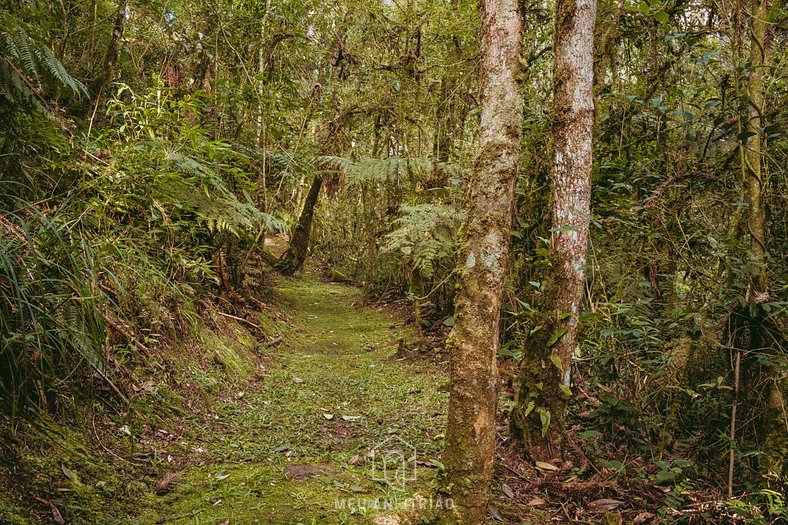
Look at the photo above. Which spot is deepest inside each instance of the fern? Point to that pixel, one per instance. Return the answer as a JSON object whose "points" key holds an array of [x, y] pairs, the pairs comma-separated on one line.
{"points": [[29, 72], [393, 170], [426, 234]]}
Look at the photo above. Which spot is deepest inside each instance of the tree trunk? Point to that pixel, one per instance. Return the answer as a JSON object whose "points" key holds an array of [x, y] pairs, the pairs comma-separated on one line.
{"points": [[292, 260], [546, 373], [113, 49], [752, 146], [754, 374], [470, 436]]}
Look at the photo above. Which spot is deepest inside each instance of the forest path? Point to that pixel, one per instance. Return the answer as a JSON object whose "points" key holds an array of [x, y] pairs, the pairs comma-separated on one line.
{"points": [[294, 447]]}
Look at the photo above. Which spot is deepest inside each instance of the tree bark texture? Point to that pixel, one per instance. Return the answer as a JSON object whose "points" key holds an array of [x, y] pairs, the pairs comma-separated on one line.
{"points": [[546, 373], [113, 49], [470, 437], [292, 260], [753, 143], [773, 424]]}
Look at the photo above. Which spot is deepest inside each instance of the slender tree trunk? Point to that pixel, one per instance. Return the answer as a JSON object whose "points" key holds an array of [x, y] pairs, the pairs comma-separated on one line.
{"points": [[113, 49], [546, 373], [470, 436], [607, 48], [293, 258], [753, 144], [261, 128], [774, 425]]}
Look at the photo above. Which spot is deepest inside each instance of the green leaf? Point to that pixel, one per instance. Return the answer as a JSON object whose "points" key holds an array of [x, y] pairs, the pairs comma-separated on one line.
{"points": [[529, 408], [662, 17], [556, 359], [544, 416], [555, 337]]}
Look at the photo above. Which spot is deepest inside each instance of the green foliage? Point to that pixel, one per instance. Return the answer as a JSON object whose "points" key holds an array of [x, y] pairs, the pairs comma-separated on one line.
{"points": [[391, 170], [51, 309], [29, 73], [166, 159], [425, 235]]}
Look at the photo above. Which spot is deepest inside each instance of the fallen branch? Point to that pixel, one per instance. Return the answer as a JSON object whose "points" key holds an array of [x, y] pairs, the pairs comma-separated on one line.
{"points": [[125, 333], [247, 321], [275, 341]]}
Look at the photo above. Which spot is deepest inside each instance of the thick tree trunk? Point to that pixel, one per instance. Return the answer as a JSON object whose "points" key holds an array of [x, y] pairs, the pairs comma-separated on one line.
{"points": [[546, 373], [470, 437], [292, 260]]}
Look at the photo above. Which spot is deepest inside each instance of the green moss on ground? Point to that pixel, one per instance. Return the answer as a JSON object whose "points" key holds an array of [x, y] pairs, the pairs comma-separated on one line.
{"points": [[257, 433], [336, 360]]}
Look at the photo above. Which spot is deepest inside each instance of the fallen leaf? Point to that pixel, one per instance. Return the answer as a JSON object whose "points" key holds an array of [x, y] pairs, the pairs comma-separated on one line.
{"points": [[643, 517], [506, 489], [355, 460], [225, 522], [297, 380], [328, 416], [164, 485], [351, 418], [604, 505], [66, 472], [546, 466], [494, 514], [281, 449], [221, 475], [535, 502], [57, 517]]}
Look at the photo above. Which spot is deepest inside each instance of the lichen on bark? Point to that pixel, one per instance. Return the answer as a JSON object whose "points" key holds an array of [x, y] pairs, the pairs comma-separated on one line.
{"points": [[470, 437], [546, 373]]}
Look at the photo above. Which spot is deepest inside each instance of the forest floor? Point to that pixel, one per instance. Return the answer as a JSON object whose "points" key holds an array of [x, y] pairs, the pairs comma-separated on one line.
{"points": [[294, 445], [277, 425], [285, 435]]}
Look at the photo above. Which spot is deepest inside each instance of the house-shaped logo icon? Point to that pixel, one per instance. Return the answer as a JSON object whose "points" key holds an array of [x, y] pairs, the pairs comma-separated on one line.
{"points": [[394, 462]]}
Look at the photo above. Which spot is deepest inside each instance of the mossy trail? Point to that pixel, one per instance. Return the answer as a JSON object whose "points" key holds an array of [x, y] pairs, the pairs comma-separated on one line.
{"points": [[293, 446]]}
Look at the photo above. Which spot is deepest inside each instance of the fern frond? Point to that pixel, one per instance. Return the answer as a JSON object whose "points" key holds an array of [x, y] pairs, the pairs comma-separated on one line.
{"points": [[28, 67], [388, 170]]}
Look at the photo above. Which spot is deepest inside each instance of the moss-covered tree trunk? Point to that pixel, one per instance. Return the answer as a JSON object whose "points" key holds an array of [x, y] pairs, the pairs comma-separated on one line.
{"points": [[546, 373], [470, 437], [292, 260], [113, 49], [774, 425]]}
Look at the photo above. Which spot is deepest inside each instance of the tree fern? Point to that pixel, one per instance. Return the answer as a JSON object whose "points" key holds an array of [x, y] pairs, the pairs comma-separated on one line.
{"points": [[425, 234], [394, 170]]}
